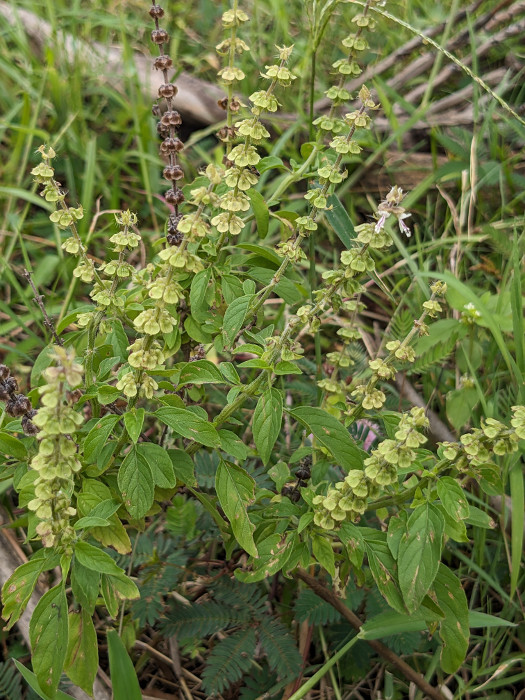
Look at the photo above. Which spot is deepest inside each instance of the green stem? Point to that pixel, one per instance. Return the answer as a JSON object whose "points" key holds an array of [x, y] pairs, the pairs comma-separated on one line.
{"points": [[323, 670]]}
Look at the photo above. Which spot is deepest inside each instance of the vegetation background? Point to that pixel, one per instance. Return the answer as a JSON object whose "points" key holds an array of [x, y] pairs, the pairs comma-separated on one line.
{"points": [[440, 136]]}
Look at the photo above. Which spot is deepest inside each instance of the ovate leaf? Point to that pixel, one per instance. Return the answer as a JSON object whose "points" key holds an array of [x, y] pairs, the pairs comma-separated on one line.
{"points": [[189, 425], [135, 482], [332, 435], [234, 318], [266, 423], [199, 372], [260, 211], [82, 651], [235, 490], [48, 634], [454, 629], [98, 436], [159, 463], [18, 588], [133, 420], [419, 554], [95, 559]]}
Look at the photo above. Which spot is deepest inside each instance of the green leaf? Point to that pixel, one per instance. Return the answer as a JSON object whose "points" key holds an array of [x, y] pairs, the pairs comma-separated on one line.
{"points": [[84, 583], [189, 425], [135, 482], [234, 318], [98, 436], [18, 588], [454, 629], [118, 340], [159, 463], [383, 568], [338, 218], [390, 622], [198, 289], [397, 527], [233, 445], [453, 498], [107, 394], [48, 635], [134, 420], [12, 447], [260, 211], [332, 435], [517, 495], [286, 367], [235, 490], [274, 552], [91, 521], [109, 595], [41, 363], [32, 682], [94, 558], [323, 553], [478, 518], [481, 619], [82, 651], [419, 554], [279, 474], [123, 677], [183, 467], [266, 424], [199, 372], [123, 586]]}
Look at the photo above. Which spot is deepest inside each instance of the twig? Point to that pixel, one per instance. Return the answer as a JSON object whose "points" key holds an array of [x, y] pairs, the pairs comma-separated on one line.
{"points": [[330, 597], [39, 299]]}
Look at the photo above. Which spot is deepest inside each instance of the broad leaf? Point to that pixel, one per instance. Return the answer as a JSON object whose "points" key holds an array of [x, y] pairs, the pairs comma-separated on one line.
{"points": [[135, 482], [189, 425], [323, 553], [454, 629], [18, 588], [159, 463], [82, 651], [235, 490], [234, 318], [260, 211], [98, 436], [199, 372], [266, 424], [94, 558], [84, 583], [183, 467], [453, 498], [274, 552], [332, 435], [48, 635], [419, 554], [383, 568], [133, 420]]}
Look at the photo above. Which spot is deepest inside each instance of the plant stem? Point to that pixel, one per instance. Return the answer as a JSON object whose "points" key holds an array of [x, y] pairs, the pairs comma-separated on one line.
{"points": [[323, 670], [330, 597]]}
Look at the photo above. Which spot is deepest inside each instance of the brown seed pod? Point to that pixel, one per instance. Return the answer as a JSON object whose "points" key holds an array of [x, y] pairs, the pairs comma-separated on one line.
{"points": [[159, 36], [167, 90], [162, 62]]}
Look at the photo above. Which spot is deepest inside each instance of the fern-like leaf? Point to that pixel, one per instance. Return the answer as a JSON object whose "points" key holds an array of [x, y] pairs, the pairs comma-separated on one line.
{"points": [[280, 648], [434, 356], [10, 685], [229, 660], [202, 619], [309, 606], [250, 599]]}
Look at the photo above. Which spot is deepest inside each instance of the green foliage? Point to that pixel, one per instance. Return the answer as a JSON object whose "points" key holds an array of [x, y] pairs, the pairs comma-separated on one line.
{"points": [[10, 682], [224, 399]]}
